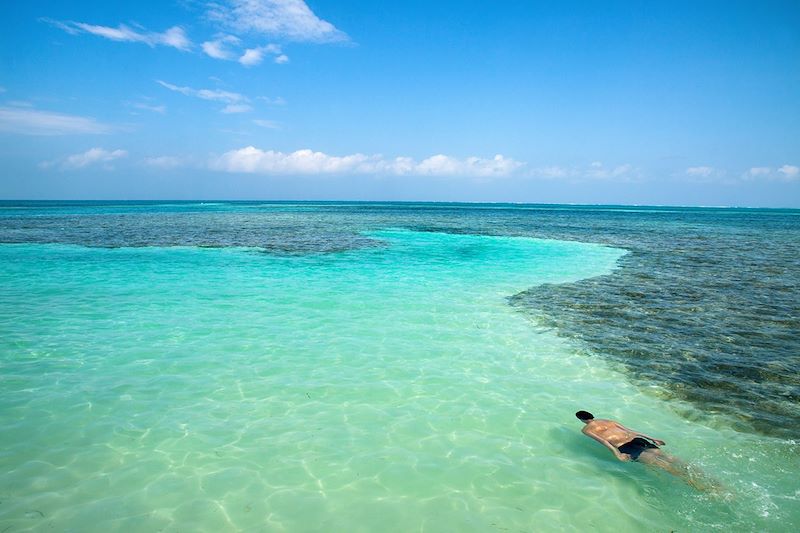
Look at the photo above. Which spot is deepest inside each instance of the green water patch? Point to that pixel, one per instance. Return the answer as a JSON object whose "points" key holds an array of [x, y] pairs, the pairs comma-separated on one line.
{"points": [[389, 387]]}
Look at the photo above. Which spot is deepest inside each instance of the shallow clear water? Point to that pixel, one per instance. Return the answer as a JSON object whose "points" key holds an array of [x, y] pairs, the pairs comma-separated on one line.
{"points": [[299, 368]]}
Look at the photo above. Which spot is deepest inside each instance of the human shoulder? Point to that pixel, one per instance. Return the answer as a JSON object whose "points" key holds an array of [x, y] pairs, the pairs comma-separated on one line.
{"points": [[602, 423], [596, 427]]}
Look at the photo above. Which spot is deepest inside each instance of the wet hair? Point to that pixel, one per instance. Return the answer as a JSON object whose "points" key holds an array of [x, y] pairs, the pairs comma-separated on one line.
{"points": [[584, 415]]}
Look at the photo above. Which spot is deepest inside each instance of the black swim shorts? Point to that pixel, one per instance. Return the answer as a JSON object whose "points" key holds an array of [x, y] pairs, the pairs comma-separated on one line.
{"points": [[635, 447]]}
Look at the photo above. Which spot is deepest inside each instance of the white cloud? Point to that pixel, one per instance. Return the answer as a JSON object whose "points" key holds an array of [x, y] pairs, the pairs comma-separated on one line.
{"points": [[706, 174], [284, 19], [787, 173], [235, 102], [251, 57], [594, 171], [218, 48], [619, 172], [90, 157], [226, 47], [552, 172], [216, 95], [289, 19], [756, 172], [271, 124], [174, 36], [784, 173], [254, 160], [702, 172], [790, 172], [236, 108], [161, 109], [29, 121], [254, 56], [272, 101], [165, 162], [443, 165]]}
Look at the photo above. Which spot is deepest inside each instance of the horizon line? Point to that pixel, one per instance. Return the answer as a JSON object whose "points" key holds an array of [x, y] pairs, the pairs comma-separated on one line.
{"points": [[455, 202]]}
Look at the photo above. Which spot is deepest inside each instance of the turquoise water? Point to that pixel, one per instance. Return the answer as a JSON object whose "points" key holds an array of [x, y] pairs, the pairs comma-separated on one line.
{"points": [[331, 378]]}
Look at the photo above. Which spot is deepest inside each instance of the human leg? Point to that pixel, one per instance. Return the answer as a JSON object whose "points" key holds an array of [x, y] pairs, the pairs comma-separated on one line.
{"points": [[677, 467]]}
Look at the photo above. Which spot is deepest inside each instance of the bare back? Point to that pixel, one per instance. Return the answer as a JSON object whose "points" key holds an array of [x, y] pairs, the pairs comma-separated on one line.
{"points": [[609, 431]]}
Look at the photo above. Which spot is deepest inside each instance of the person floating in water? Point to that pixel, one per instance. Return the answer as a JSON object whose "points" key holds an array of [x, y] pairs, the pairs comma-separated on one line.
{"points": [[629, 445]]}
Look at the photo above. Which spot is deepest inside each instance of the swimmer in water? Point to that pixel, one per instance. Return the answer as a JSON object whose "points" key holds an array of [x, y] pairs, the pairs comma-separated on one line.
{"points": [[629, 445]]}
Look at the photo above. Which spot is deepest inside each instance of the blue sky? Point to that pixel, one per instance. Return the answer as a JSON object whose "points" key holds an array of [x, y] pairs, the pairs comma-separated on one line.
{"points": [[694, 103]]}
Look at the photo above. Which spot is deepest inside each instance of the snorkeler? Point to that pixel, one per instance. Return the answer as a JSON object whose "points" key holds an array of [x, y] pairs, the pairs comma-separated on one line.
{"points": [[629, 445]]}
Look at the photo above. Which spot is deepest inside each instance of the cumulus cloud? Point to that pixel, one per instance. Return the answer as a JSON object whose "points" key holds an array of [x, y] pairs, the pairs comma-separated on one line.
{"points": [[756, 172], [219, 47], [286, 19], [702, 172], [30, 121], [785, 173], [705, 174], [789, 172], [251, 57], [228, 48], [254, 160], [174, 37], [442, 165], [254, 56]]}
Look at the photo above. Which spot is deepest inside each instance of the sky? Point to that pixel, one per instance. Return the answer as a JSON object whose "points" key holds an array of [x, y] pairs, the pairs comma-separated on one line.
{"points": [[661, 103]]}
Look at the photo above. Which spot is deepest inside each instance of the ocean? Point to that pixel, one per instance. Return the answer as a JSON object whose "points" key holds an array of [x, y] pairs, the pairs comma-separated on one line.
{"points": [[335, 366]]}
